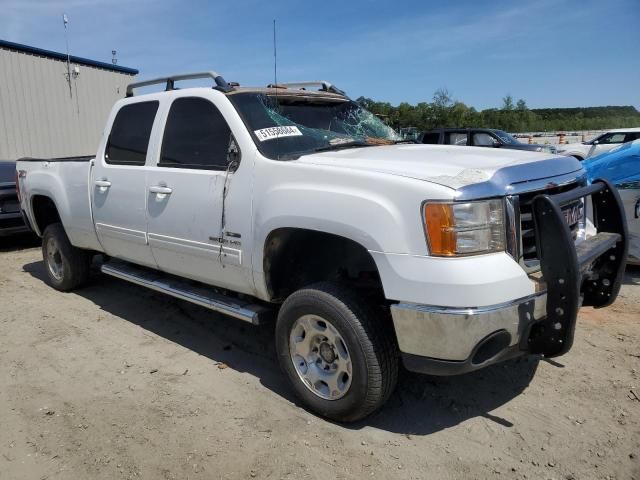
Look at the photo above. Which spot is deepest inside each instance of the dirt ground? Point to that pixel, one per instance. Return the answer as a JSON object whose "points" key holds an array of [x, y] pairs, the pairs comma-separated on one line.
{"points": [[114, 381]]}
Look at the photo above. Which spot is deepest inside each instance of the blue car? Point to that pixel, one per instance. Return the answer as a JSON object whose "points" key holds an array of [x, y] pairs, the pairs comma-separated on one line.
{"points": [[621, 166]]}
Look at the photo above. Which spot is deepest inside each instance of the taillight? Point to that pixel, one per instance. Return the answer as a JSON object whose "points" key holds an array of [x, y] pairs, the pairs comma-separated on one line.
{"points": [[19, 174]]}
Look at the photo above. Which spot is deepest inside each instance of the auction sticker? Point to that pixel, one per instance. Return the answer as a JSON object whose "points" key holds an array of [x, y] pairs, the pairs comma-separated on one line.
{"points": [[277, 132]]}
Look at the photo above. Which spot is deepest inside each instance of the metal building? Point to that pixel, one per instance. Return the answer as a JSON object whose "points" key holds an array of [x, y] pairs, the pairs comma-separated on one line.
{"points": [[44, 112]]}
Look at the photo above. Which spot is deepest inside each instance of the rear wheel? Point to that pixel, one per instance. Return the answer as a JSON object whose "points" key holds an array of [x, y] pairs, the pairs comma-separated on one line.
{"points": [[339, 355], [67, 267]]}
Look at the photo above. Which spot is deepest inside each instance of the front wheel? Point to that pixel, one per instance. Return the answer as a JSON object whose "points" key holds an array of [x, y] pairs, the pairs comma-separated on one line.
{"points": [[340, 357], [67, 267]]}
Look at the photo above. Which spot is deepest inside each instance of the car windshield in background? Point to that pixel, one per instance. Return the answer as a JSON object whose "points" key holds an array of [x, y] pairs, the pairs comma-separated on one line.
{"points": [[506, 138], [287, 126]]}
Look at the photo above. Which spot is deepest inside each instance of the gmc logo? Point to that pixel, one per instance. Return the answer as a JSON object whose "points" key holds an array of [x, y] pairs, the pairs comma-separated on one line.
{"points": [[573, 213]]}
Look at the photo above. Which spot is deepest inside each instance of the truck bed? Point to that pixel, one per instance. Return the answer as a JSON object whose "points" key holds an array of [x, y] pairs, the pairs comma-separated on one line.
{"points": [[66, 180]]}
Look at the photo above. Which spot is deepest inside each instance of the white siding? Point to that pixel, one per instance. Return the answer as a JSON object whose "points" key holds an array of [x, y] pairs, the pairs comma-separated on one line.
{"points": [[38, 117]]}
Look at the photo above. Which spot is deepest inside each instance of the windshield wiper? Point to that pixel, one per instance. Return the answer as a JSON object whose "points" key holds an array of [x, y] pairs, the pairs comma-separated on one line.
{"points": [[341, 146], [406, 140]]}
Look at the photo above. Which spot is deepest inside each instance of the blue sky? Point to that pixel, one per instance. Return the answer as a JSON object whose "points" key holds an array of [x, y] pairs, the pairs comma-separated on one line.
{"points": [[549, 52]]}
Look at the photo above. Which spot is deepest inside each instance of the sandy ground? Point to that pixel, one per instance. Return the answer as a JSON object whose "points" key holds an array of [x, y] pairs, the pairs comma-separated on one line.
{"points": [[114, 381]]}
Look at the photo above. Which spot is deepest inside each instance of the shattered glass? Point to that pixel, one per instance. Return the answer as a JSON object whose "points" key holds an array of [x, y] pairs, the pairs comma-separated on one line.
{"points": [[324, 123]]}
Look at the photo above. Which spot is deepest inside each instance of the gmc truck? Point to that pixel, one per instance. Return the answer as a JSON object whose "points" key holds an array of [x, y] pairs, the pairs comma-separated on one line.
{"points": [[293, 202]]}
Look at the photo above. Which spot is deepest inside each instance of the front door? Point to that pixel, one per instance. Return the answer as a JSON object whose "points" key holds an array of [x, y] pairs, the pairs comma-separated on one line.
{"points": [[185, 196], [607, 142], [118, 185]]}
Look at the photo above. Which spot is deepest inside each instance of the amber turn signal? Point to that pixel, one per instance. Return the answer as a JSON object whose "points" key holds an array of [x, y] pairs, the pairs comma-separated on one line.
{"points": [[439, 222]]}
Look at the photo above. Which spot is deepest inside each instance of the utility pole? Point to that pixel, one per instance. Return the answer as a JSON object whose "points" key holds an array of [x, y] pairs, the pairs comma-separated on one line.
{"points": [[65, 20]]}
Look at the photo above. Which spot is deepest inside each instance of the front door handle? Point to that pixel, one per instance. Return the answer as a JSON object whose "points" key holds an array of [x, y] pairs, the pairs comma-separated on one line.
{"points": [[103, 183], [160, 190]]}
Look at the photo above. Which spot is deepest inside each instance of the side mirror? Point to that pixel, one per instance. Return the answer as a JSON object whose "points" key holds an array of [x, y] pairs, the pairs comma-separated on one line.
{"points": [[497, 145], [595, 142]]}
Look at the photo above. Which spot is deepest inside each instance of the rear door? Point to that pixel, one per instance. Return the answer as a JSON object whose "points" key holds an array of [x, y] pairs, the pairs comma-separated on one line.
{"points": [[185, 195], [119, 184]]}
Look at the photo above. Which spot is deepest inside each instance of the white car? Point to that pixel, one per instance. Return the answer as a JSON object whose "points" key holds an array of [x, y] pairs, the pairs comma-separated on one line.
{"points": [[600, 144], [298, 203]]}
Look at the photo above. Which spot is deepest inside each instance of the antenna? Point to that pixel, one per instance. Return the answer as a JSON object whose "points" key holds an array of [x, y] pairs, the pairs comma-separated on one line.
{"points": [[65, 21], [275, 56]]}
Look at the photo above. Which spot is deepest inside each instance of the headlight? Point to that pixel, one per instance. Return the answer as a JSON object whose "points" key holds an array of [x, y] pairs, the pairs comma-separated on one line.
{"points": [[464, 228]]}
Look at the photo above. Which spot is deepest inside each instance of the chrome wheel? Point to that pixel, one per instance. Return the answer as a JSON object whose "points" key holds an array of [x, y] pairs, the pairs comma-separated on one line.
{"points": [[54, 259], [320, 357]]}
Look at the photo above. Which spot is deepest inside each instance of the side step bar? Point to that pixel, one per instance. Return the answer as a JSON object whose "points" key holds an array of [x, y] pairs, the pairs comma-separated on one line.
{"points": [[187, 290]]}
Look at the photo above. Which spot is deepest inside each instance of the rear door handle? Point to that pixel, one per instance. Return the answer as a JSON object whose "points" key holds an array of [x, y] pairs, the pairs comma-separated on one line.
{"points": [[103, 183], [160, 189]]}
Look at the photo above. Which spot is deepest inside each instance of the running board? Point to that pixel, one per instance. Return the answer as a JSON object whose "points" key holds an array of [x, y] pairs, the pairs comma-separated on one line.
{"points": [[190, 291]]}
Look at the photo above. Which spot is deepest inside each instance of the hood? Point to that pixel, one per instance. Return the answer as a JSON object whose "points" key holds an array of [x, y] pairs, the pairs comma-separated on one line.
{"points": [[447, 165], [7, 172]]}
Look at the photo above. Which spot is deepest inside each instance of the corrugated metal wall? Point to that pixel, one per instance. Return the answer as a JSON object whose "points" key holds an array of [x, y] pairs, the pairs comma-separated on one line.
{"points": [[38, 116]]}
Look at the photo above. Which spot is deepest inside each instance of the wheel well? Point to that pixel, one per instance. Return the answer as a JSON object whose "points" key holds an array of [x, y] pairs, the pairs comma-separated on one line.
{"points": [[294, 258], [44, 211]]}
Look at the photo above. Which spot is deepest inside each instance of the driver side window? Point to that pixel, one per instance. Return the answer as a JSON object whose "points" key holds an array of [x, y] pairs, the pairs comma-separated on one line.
{"points": [[196, 135], [611, 138]]}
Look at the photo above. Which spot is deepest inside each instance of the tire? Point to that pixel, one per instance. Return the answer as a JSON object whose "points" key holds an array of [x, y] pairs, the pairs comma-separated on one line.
{"points": [[67, 267], [361, 340]]}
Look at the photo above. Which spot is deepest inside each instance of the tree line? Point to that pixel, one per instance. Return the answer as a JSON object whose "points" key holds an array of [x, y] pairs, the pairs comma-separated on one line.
{"points": [[512, 116]]}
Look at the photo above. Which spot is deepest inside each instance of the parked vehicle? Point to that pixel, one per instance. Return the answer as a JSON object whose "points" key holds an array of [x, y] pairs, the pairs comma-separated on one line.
{"points": [[601, 144], [621, 166], [10, 217], [480, 137], [287, 199]]}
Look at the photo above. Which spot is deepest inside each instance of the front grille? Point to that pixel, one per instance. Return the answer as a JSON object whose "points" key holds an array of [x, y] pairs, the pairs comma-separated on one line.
{"points": [[528, 249]]}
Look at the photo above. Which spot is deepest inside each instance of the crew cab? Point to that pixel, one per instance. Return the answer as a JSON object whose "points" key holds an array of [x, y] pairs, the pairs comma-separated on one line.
{"points": [[480, 137], [601, 144], [293, 201]]}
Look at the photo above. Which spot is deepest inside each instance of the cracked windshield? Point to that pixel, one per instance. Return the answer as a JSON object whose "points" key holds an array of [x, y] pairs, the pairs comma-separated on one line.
{"points": [[288, 126]]}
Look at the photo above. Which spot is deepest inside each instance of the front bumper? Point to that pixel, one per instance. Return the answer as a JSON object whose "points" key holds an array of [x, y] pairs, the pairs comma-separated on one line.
{"points": [[445, 341]]}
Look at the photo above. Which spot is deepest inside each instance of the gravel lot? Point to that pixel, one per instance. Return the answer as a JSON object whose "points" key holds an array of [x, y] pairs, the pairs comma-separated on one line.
{"points": [[114, 381]]}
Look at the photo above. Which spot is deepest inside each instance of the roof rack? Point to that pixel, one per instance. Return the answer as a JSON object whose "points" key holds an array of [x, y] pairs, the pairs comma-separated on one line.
{"points": [[221, 83], [326, 86]]}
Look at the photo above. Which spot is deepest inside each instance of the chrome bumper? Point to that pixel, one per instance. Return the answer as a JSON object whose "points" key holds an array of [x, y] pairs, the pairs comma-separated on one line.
{"points": [[466, 337]]}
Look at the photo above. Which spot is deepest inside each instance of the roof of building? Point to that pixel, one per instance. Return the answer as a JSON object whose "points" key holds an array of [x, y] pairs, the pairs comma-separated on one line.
{"points": [[62, 56]]}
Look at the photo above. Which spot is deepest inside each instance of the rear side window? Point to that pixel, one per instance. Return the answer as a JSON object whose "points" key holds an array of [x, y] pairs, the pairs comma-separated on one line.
{"points": [[129, 137], [456, 138], [631, 137], [196, 136], [431, 138]]}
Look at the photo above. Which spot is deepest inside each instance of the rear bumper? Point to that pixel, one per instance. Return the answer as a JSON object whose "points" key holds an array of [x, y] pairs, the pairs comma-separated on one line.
{"points": [[446, 341]]}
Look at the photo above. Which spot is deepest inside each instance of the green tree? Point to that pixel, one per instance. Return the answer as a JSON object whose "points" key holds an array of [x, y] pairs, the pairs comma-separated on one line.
{"points": [[507, 103]]}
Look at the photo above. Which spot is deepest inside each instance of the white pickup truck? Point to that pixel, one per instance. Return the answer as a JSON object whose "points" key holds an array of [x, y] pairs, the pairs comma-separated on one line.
{"points": [[293, 199]]}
